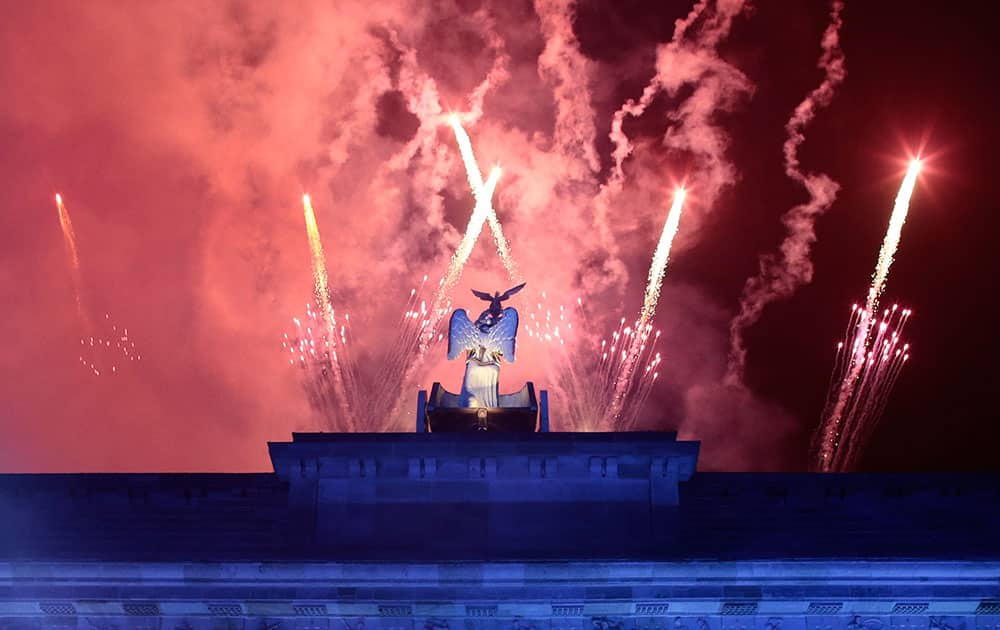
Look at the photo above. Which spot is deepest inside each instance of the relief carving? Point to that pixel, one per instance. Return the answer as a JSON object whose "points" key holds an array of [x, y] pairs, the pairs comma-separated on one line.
{"points": [[604, 623], [867, 623]]}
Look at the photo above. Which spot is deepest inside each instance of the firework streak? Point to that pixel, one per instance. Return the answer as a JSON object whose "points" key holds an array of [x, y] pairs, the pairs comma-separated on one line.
{"points": [[327, 314], [632, 342], [69, 238], [840, 432], [476, 183], [483, 212]]}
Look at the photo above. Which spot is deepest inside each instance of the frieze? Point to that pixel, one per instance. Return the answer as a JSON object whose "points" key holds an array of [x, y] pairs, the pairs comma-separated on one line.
{"points": [[20, 623]]}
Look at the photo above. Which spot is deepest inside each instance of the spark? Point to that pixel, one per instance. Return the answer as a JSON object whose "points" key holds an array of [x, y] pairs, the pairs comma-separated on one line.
{"points": [[321, 280], [109, 348], [890, 244], [369, 388], [327, 315], [864, 374], [584, 373], [839, 430], [633, 346], [658, 266]]}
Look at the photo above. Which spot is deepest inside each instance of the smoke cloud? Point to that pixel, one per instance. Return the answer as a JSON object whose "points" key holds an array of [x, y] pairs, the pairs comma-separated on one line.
{"points": [[183, 137], [781, 274]]}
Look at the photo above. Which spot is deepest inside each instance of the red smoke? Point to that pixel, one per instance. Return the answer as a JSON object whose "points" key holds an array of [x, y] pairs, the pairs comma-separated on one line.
{"points": [[182, 136]]}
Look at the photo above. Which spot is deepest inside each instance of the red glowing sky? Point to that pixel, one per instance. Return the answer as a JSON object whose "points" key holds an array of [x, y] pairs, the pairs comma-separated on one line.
{"points": [[182, 136]]}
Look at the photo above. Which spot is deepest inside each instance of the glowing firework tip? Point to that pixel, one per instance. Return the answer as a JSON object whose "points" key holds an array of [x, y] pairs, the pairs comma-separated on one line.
{"points": [[850, 412]]}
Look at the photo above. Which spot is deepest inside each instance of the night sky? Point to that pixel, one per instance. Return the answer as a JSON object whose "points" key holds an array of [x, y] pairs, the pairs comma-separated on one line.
{"points": [[182, 135]]}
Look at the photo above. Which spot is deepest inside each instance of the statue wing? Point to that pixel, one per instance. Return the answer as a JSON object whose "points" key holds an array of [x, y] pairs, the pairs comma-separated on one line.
{"points": [[482, 296], [503, 336], [510, 292], [462, 334]]}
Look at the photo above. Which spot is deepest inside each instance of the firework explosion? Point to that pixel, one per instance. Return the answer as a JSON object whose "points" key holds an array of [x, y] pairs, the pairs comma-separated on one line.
{"points": [[108, 350], [863, 375], [840, 432], [105, 346]]}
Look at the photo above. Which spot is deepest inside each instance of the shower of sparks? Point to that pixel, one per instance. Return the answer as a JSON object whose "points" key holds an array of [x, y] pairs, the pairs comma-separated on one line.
{"points": [[327, 319], [866, 368], [370, 388], [631, 346], [109, 350], [836, 429], [584, 373]]}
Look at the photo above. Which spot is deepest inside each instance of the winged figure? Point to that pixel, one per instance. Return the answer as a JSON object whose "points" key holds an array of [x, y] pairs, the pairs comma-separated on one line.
{"points": [[486, 342]]}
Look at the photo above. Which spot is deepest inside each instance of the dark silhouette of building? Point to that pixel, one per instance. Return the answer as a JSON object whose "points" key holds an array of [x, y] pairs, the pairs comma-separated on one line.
{"points": [[484, 531]]}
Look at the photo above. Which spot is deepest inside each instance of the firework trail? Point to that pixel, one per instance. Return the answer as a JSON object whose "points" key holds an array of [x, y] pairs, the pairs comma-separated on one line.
{"points": [[482, 212], [344, 390], [69, 238], [476, 183], [106, 345], [321, 280], [779, 277], [839, 431], [863, 376], [606, 389], [327, 314], [633, 346]]}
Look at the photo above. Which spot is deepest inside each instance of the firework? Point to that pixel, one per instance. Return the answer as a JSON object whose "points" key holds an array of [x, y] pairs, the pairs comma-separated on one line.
{"points": [[109, 349], [632, 346], [864, 372], [369, 388], [69, 238], [321, 281], [584, 372], [326, 318], [476, 183], [839, 432], [482, 212]]}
